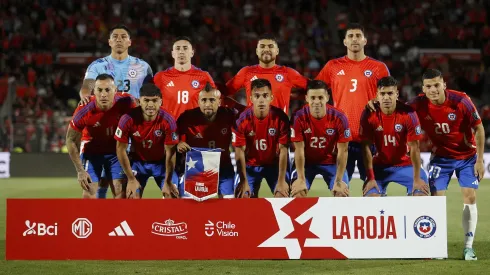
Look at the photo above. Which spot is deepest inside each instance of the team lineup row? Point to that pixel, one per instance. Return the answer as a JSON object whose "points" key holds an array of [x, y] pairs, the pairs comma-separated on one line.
{"points": [[328, 140]]}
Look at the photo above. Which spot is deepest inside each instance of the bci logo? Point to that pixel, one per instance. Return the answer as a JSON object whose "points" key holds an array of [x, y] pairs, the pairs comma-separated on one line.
{"points": [[40, 229]]}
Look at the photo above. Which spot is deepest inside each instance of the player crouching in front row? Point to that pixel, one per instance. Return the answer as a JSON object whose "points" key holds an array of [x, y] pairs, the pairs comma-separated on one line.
{"points": [[321, 135], [91, 132], [261, 145], [153, 134], [391, 127]]}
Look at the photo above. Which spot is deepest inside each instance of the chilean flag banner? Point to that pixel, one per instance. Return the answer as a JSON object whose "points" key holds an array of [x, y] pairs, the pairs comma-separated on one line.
{"points": [[201, 176]]}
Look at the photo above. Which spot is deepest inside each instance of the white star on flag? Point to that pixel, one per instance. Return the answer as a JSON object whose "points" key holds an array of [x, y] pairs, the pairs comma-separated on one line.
{"points": [[191, 164]]}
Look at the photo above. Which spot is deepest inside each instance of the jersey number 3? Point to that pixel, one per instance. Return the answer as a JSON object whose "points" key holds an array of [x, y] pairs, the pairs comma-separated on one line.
{"points": [[354, 85]]}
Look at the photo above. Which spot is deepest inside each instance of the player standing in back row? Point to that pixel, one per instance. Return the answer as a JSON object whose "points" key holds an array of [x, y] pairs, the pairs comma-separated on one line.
{"points": [[180, 85], [452, 122], [352, 79], [282, 78], [129, 74]]}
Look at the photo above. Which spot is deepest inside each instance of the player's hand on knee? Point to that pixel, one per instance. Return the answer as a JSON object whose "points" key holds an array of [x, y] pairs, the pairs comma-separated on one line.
{"points": [[371, 106], [84, 180], [170, 191], [420, 185], [133, 189], [242, 190], [183, 147], [368, 185], [340, 189], [282, 190], [299, 189], [84, 101]]}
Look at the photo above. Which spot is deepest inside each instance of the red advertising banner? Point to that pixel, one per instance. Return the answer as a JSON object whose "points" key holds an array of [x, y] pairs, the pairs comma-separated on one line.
{"points": [[57, 229]]}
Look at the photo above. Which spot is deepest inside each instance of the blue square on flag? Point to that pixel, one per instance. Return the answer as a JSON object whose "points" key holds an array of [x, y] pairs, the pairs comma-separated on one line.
{"points": [[201, 176]]}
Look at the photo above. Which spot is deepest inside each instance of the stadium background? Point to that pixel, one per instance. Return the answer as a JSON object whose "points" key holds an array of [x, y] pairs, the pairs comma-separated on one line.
{"points": [[47, 45]]}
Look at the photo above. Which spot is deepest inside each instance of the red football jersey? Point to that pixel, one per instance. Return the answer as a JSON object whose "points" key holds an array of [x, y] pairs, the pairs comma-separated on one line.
{"points": [[261, 136], [148, 138], [353, 84], [197, 131], [98, 127], [180, 90], [320, 135], [390, 134], [282, 80], [450, 125]]}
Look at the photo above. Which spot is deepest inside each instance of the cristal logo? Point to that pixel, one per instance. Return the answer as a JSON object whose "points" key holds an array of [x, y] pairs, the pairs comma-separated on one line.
{"points": [[222, 229], [200, 187], [170, 229], [40, 229]]}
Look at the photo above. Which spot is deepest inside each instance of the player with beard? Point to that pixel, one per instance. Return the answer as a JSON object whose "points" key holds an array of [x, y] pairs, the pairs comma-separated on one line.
{"points": [[282, 78], [153, 133], [210, 126]]}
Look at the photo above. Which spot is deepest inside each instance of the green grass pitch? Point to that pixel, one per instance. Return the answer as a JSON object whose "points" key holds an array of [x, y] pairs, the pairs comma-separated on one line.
{"points": [[68, 188]]}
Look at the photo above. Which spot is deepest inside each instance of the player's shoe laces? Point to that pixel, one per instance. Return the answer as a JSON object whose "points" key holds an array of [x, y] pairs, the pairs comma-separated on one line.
{"points": [[469, 254]]}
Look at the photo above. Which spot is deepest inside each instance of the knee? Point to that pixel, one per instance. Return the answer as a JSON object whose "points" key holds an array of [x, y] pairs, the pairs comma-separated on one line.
{"points": [[89, 195], [470, 197]]}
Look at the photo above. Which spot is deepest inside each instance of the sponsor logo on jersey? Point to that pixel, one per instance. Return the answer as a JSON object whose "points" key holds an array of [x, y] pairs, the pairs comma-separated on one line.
{"points": [[368, 73], [451, 116], [379, 129], [398, 127], [171, 84], [341, 72], [307, 131], [195, 84], [253, 78], [279, 77]]}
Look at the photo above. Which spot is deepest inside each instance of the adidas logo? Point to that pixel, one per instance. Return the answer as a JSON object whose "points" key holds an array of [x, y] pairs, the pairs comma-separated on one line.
{"points": [[308, 131], [341, 72], [171, 84], [198, 135], [97, 124], [428, 117], [253, 78], [252, 133], [122, 230], [379, 129], [137, 134], [469, 234]]}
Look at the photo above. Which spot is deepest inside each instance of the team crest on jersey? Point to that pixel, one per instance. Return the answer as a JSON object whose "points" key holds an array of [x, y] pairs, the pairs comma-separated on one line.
{"points": [[132, 73], [418, 130], [398, 127], [368, 73], [224, 131], [451, 116], [330, 132], [158, 133], [279, 77], [174, 136], [272, 131], [195, 84], [347, 133]]}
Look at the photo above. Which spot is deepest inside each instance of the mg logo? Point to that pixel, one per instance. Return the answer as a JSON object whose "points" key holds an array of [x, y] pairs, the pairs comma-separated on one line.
{"points": [[81, 228]]}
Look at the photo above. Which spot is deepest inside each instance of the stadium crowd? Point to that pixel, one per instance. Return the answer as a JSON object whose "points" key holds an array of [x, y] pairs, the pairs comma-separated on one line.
{"points": [[225, 36]]}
